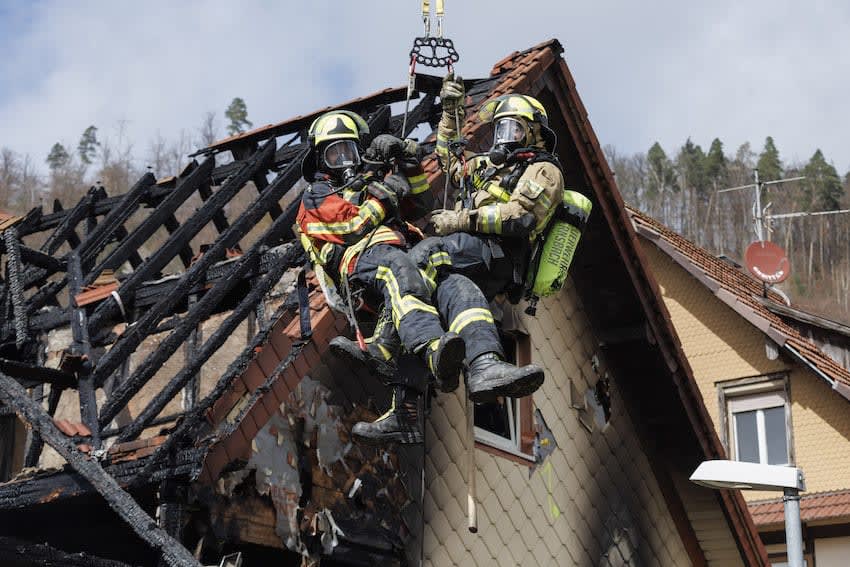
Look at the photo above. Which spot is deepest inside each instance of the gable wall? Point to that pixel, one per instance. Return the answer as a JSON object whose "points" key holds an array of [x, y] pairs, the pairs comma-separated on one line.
{"points": [[594, 495], [721, 345]]}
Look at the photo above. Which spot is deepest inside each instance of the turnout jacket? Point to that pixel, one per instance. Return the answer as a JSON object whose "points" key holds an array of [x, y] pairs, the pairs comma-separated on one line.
{"points": [[521, 212], [337, 225]]}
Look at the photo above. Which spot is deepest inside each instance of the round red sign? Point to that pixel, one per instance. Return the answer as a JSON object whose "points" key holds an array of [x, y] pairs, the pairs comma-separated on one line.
{"points": [[767, 261]]}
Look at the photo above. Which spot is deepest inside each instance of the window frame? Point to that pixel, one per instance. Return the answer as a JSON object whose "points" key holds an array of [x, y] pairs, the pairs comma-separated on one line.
{"points": [[521, 444], [739, 391]]}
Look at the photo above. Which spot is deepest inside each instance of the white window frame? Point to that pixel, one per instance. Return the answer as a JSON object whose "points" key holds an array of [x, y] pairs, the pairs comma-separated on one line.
{"points": [[755, 394], [513, 445]]}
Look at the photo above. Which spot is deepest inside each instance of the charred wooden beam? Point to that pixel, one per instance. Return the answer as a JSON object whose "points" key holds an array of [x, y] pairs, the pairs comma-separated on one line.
{"points": [[29, 375], [260, 181], [137, 332], [204, 190], [42, 222], [186, 232], [134, 259], [14, 395], [194, 417], [66, 228], [171, 225], [218, 338], [41, 260], [190, 349], [36, 444], [149, 226], [115, 218], [46, 294], [44, 489], [116, 431], [20, 553], [82, 349]]}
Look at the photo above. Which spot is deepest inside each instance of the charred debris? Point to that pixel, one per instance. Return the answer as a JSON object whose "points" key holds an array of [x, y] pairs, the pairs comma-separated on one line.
{"points": [[102, 346]]}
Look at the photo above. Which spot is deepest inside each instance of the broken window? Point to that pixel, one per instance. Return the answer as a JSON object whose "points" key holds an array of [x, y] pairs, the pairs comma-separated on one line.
{"points": [[506, 424], [757, 417]]}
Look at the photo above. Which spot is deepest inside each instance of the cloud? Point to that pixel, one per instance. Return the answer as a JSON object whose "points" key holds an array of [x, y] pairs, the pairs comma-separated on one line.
{"points": [[662, 72]]}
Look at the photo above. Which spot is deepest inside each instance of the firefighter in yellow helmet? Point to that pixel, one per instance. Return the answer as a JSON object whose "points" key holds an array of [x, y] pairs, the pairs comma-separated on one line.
{"points": [[350, 226], [508, 198]]}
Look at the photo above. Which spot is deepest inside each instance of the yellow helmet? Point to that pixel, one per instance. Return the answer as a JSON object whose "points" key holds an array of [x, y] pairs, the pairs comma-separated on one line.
{"points": [[343, 129], [525, 107], [337, 125]]}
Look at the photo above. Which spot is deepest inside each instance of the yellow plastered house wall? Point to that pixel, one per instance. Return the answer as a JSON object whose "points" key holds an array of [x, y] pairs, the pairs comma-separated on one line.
{"points": [[593, 502], [721, 345]]}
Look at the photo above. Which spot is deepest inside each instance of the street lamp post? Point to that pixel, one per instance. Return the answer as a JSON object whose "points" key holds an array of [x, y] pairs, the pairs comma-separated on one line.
{"points": [[754, 476]]}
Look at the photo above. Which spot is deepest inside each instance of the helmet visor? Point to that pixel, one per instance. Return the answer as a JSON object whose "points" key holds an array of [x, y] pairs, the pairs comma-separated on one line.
{"points": [[508, 130], [341, 154]]}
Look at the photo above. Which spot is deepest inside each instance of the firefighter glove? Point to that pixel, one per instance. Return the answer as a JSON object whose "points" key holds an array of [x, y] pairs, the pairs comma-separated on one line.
{"points": [[452, 93], [386, 147], [448, 221]]}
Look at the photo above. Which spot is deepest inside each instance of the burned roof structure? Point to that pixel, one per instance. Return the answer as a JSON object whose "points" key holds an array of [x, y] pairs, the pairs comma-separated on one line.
{"points": [[114, 308]]}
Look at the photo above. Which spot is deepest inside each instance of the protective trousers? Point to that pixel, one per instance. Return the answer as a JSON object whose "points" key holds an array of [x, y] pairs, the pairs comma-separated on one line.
{"points": [[390, 276], [491, 266], [466, 313]]}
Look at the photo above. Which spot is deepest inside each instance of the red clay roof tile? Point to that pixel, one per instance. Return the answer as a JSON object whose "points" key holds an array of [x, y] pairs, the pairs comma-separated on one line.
{"points": [[813, 507]]}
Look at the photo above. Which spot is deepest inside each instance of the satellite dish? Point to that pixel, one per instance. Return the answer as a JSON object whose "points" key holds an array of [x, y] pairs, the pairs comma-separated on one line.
{"points": [[767, 262]]}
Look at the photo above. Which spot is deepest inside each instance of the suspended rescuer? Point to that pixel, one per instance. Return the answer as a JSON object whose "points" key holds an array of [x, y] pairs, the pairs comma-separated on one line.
{"points": [[349, 225], [513, 229]]}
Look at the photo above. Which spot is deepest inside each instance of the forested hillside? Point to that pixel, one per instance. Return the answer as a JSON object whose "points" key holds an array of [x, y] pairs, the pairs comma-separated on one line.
{"points": [[680, 188]]}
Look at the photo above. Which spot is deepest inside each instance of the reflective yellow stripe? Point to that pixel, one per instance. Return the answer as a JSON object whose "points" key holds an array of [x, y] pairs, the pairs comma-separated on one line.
{"points": [[370, 211], [468, 316], [418, 184], [401, 306], [490, 220], [325, 252], [430, 280], [493, 188], [382, 234], [440, 259]]}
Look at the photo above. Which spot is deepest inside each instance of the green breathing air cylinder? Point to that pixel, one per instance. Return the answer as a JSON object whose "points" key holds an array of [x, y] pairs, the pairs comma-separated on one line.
{"points": [[560, 244]]}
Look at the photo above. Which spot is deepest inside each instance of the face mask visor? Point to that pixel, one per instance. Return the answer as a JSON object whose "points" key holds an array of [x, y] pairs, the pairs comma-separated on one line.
{"points": [[509, 131], [341, 155]]}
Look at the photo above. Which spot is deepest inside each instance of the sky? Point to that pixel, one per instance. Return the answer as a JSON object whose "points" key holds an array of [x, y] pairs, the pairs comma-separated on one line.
{"points": [[650, 71]]}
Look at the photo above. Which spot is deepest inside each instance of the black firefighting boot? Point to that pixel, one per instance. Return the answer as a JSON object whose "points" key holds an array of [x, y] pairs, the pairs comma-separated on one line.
{"points": [[401, 423], [382, 348], [489, 377], [444, 357], [377, 358]]}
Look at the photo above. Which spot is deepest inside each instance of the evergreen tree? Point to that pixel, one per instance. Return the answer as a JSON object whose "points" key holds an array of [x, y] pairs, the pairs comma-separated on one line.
{"points": [[769, 164], [824, 189], [237, 113], [58, 157], [662, 174], [716, 165], [87, 148], [691, 166]]}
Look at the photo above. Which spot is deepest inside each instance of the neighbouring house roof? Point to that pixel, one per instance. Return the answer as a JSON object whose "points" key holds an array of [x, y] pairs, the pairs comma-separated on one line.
{"points": [[746, 296], [821, 506]]}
